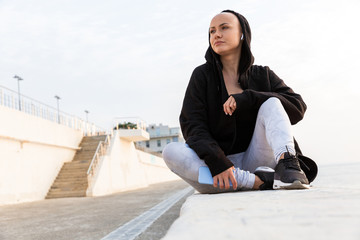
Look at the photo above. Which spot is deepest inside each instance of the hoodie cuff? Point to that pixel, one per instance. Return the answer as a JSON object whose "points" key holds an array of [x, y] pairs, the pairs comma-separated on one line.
{"points": [[240, 99], [219, 166]]}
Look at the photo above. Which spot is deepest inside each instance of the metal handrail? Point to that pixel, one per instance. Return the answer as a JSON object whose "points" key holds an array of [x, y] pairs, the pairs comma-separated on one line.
{"points": [[94, 158], [10, 99], [100, 152]]}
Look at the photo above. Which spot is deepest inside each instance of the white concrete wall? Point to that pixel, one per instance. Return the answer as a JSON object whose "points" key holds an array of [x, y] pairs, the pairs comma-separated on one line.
{"points": [[32, 152], [126, 168], [155, 168]]}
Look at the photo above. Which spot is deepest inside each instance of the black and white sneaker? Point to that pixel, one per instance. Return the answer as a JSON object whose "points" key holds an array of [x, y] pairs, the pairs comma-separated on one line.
{"points": [[266, 175], [288, 174]]}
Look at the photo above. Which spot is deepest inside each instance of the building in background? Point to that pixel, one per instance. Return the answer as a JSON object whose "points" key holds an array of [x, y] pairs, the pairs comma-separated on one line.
{"points": [[160, 136]]}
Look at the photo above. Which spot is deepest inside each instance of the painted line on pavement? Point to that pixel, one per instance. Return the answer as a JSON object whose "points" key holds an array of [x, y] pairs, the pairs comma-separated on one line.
{"points": [[135, 227]]}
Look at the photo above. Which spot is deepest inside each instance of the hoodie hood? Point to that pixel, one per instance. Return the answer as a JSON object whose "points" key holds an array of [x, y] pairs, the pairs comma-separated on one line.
{"points": [[246, 58]]}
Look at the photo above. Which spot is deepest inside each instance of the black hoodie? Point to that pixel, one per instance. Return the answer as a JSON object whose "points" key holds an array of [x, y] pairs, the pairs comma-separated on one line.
{"points": [[211, 133]]}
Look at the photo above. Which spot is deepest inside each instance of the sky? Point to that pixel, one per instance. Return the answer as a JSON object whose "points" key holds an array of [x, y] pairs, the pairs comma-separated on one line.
{"points": [[119, 58]]}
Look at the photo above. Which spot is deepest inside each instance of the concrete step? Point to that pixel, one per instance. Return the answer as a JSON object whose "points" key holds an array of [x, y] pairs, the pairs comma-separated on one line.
{"points": [[65, 188], [82, 159], [71, 185], [86, 151], [85, 155], [82, 174], [67, 194], [75, 166], [88, 154], [90, 143], [79, 164], [86, 148], [70, 180], [74, 170], [82, 156], [68, 183], [72, 177], [78, 161], [100, 137]]}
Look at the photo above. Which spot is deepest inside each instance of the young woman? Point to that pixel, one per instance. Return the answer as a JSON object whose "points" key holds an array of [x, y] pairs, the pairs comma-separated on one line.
{"points": [[237, 117]]}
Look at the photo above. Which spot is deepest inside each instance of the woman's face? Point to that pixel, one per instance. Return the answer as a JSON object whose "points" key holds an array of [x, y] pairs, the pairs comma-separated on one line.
{"points": [[225, 32]]}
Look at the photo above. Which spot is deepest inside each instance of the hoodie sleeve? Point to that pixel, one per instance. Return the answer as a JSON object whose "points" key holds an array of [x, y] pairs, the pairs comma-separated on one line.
{"points": [[194, 125], [293, 103]]}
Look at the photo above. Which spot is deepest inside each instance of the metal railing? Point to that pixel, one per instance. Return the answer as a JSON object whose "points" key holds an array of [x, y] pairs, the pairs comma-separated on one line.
{"points": [[10, 99], [100, 152]]}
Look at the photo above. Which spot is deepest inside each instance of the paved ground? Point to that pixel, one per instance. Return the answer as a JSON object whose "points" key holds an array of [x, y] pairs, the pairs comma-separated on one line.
{"points": [[329, 210], [87, 218]]}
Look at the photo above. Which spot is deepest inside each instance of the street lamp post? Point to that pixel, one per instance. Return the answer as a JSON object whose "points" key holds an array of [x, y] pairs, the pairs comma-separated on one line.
{"points": [[19, 79], [86, 112], [57, 99], [87, 123]]}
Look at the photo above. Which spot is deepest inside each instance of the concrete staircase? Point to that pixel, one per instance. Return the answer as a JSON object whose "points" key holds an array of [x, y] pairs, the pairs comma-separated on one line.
{"points": [[72, 178]]}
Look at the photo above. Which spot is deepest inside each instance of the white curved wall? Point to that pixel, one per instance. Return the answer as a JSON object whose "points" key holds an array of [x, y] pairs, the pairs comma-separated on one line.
{"points": [[126, 168]]}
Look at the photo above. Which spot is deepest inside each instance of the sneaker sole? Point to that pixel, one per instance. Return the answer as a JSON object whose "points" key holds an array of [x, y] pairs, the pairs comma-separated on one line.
{"points": [[294, 185]]}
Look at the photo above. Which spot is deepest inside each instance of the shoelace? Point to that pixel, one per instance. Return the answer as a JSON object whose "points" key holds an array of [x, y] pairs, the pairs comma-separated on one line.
{"points": [[303, 163], [292, 162]]}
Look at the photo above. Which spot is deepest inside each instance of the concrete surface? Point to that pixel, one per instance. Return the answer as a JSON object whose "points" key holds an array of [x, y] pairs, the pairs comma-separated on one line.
{"points": [[329, 210], [87, 218]]}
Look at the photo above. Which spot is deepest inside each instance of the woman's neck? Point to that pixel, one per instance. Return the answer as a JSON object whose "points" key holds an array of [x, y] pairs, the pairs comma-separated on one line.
{"points": [[231, 63]]}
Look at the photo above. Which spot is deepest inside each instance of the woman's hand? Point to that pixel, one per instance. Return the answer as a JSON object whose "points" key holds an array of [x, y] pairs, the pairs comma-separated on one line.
{"points": [[230, 106], [224, 179]]}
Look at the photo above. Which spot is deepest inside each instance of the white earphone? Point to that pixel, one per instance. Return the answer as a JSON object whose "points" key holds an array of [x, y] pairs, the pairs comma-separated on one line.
{"points": [[242, 37]]}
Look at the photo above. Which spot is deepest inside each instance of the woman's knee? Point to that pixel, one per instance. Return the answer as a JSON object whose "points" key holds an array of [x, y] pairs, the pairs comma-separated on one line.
{"points": [[171, 152], [273, 101], [270, 105]]}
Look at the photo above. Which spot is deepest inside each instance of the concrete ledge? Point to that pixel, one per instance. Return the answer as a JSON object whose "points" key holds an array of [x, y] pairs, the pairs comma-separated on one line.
{"points": [[329, 210], [134, 135]]}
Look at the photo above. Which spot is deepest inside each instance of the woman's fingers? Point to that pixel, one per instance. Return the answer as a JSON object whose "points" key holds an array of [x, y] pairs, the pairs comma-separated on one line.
{"points": [[222, 180], [227, 185], [233, 181], [229, 106], [218, 180], [215, 181]]}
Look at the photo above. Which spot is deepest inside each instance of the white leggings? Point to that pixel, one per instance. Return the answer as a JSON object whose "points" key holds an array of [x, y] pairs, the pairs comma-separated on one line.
{"points": [[271, 136]]}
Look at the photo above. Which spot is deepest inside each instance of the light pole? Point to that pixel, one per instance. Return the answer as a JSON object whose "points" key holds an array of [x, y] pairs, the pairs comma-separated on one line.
{"points": [[87, 123], [57, 99], [19, 79], [86, 112]]}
